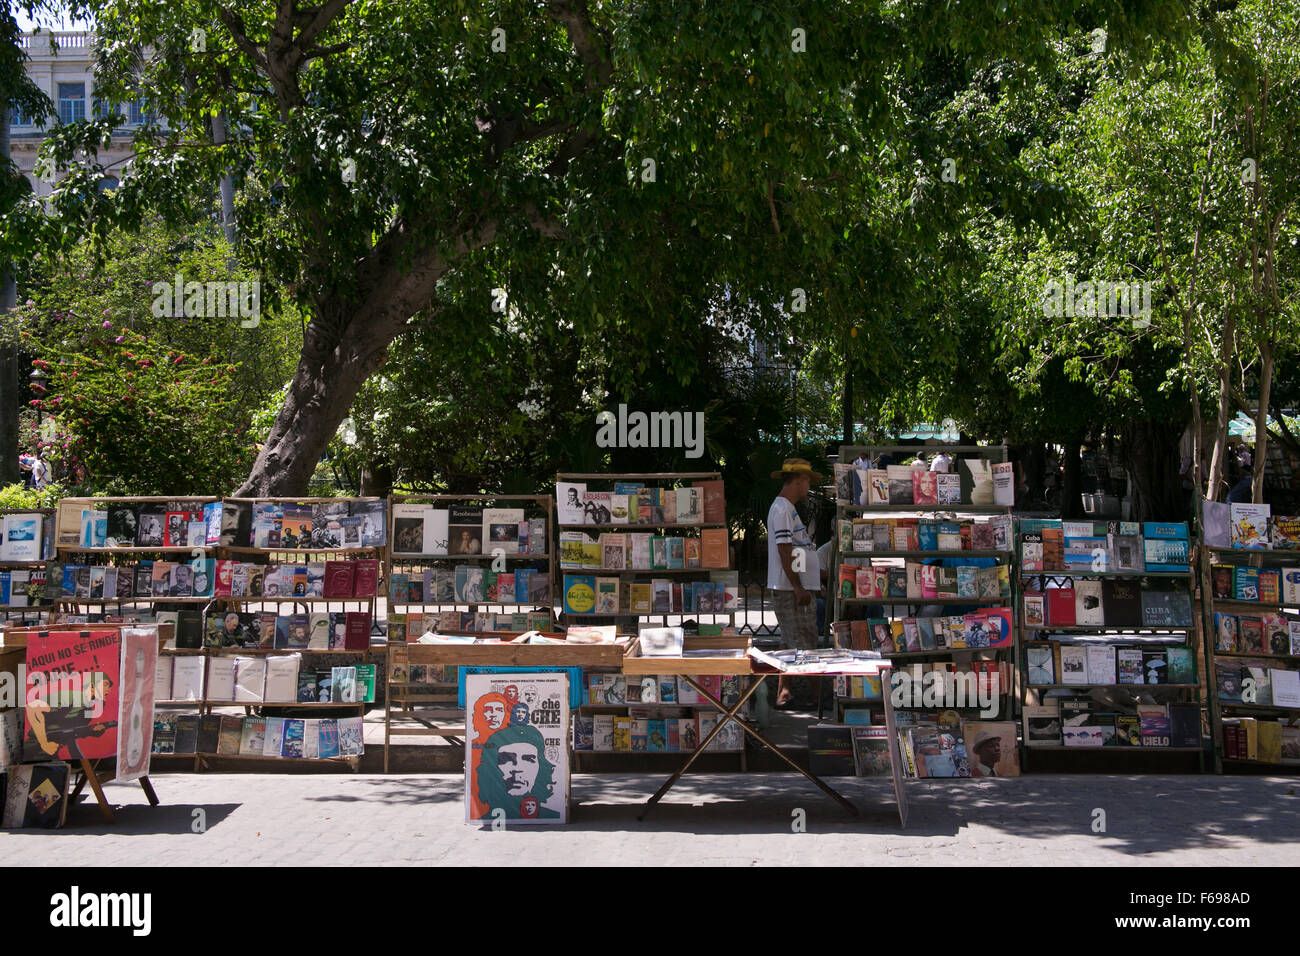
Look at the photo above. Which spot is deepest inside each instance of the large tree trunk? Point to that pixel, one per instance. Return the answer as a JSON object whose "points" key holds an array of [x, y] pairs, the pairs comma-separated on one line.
{"points": [[1072, 480], [1154, 463], [345, 343], [1218, 465]]}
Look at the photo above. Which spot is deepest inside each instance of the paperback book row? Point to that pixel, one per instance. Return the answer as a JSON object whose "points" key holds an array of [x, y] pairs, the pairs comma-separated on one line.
{"points": [[1249, 526], [616, 690], [23, 539], [1259, 585], [318, 631], [1103, 664], [592, 594], [469, 585], [1271, 635], [261, 680], [401, 672], [660, 730], [1256, 685], [1108, 603], [206, 577], [917, 581], [1267, 741], [924, 534], [409, 627], [986, 628], [460, 530], [637, 551], [631, 502], [1084, 722], [930, 684], [989, 484], [225, 735], [341, 524], [22, 588], [1103, 546]]}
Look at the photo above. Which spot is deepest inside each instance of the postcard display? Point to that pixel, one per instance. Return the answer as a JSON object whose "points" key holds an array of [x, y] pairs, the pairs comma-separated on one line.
{"points": [[26, 545], [88, 696], [908, 538], [1110, 652], [1252, 633]]}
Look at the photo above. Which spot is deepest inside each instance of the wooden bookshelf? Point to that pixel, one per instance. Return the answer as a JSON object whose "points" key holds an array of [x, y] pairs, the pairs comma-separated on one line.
{"points": [[1223, 711], [625, 617], [843, 608], [1146, 637]]}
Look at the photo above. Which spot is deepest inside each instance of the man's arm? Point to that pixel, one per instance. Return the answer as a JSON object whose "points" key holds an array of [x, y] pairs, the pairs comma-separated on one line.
{"points": [[786, 553]]}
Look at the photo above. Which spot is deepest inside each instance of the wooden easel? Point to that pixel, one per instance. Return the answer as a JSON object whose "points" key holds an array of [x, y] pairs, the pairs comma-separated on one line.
{"points": [[14, 651], [89, 775]]}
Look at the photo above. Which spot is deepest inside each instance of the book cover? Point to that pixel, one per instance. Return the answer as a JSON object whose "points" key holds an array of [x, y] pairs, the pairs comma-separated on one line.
{"points": [[830, 750], [900, 484], [1249, 525], [465, 530], [294, 731], [1129, 666]]}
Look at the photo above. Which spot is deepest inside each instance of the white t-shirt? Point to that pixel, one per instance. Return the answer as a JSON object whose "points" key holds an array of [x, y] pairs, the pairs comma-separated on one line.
{"points": [[784, 526], [941, 464]]}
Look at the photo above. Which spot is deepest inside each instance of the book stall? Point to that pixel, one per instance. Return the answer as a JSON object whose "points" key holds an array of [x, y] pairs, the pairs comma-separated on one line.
{"points": [[465, 565], [1251, 560], [1111, 654], [923, 577]]}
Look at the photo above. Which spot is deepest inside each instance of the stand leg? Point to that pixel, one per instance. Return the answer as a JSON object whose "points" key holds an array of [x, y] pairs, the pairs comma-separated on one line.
{"points": [[147, 786], [89, 771], [729, 714]]}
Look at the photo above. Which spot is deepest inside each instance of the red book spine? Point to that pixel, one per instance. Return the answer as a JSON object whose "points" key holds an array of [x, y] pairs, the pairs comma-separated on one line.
{"points": [[357, 635], [367, 577]]}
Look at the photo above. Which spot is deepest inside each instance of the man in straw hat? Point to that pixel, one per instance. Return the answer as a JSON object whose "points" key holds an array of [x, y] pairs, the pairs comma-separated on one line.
{"points": [[793, 566]]}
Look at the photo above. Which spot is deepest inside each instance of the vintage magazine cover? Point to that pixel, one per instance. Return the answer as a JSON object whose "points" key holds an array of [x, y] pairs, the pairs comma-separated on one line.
{"points": [[517, 748], [73, 685]]}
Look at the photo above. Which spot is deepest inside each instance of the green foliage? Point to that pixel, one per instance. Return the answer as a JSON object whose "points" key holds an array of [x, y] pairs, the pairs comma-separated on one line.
{"points": [[139, 417], [146, 402], [19, 496]]}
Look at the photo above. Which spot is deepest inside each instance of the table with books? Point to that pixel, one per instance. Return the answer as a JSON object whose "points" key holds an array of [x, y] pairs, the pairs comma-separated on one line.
{"points": [[658, 651]]}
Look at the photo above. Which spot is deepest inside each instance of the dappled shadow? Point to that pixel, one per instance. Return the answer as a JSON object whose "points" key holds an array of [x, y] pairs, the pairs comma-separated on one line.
{"points": [[1142, 814]]}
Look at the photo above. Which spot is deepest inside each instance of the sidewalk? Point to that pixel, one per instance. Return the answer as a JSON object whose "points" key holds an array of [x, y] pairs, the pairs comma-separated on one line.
{"points": [[711, 819]]}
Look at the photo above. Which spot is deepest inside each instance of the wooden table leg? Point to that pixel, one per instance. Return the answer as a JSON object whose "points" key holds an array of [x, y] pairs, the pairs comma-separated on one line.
{"points": [[729, 714], [147, 786], [89, 771]]}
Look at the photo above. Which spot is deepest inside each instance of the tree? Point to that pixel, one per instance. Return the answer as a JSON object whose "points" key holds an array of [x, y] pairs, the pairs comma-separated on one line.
{"points": [[554, 134]]}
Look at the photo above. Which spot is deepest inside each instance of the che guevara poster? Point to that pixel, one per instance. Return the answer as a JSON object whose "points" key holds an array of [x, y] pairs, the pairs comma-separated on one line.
{"points": [[73, 686], [517, 748]]}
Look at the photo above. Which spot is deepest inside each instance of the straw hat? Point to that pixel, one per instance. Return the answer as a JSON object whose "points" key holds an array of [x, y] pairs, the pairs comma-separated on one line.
{"points": [[797, 466]]}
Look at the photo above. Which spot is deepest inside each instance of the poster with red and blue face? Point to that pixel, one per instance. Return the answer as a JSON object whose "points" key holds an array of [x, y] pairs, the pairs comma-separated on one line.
{"points": [[517, 748], [71, 695]]}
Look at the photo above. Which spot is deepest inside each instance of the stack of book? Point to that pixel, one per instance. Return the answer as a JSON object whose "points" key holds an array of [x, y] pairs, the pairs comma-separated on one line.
{"points": [[1104, 664], [409, 627], [989, 627], [916, 581], [989, 484], [616, 551], [592, 594], [1107, 603]]}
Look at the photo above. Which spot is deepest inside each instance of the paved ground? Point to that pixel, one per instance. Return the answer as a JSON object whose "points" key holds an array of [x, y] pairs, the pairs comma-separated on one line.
{"points": [[727, 819]]}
